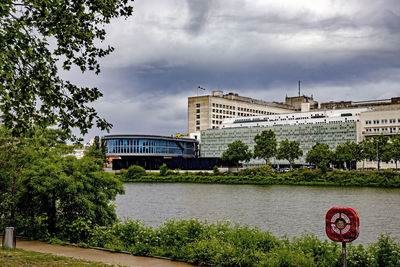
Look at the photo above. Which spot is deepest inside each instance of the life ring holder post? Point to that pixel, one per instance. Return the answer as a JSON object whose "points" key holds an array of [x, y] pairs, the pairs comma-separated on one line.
{"points": [[342, 225]]}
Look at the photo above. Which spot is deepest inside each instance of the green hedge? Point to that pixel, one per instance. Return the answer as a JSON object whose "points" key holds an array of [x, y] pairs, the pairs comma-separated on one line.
{"points": [[224, 244], [265, 176]]}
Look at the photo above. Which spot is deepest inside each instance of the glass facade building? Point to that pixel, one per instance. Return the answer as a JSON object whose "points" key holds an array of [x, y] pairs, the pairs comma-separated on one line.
{"points": [[215, 141], [146, 145]]}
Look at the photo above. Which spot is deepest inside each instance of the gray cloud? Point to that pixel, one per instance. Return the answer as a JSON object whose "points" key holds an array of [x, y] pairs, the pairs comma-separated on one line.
{"points": [[256, 48], [198, 15]]}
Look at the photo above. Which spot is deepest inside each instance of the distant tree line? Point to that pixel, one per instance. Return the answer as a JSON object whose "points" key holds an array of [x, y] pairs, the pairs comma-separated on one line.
{"points": [[378, 148]]}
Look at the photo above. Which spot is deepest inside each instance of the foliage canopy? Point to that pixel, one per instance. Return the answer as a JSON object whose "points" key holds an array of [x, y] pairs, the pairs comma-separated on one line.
{"points": [[36, 38], [289, 150], [48, 193], [265, 145], [320, 155], [237, 151]]}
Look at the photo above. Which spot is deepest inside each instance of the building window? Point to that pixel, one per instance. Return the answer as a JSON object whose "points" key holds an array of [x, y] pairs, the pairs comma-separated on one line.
{"points": [[197, 105], [198, 128], [392, 120], [384, 121], [197, 110], [198, 116], [197, 122], [376, 121], [367, 122]]}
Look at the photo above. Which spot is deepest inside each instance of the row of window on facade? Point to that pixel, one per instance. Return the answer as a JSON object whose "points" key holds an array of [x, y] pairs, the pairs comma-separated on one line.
{"points": [[383, 121], [215, 105], [224, 111], [375, 130], [221, 116]]}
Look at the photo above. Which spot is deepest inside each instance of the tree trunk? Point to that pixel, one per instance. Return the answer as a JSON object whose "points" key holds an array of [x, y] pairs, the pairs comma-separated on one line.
{"points": [[52, 215]]}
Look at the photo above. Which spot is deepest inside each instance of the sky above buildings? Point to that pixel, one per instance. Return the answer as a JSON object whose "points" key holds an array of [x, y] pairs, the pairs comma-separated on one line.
{"points": [[340, 50]]}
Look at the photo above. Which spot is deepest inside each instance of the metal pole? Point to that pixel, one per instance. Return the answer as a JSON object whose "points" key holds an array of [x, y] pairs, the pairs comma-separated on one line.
{"points": [[344, 252]]}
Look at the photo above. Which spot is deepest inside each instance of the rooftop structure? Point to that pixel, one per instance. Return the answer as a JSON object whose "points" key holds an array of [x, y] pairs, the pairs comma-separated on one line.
{"points": [[380, 104]]}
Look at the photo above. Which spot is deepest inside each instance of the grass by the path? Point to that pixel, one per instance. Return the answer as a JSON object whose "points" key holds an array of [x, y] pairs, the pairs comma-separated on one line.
{"points": [[19, 257]]}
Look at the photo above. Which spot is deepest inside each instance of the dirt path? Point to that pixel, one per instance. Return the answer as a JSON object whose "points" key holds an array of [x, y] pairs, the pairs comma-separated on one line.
{"points": [[97, 255]]}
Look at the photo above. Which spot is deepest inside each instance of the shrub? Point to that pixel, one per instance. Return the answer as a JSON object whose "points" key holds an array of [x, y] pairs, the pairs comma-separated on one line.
{"points": [[163, 169], [265, 170], [386, 251], [324, 253], [287, 257], [216, 170], [135, 172]]}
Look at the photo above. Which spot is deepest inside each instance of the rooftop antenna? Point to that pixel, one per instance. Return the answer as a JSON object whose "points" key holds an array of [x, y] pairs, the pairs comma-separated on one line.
{"points": [[299, 87]]}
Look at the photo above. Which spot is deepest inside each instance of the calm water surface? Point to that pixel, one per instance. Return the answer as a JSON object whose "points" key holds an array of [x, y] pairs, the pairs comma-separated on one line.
{"points": [[290, 210]]}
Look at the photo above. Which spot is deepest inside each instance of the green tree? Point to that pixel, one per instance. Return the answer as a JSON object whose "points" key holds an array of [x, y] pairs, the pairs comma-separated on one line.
{"points": [[289, 150], [17, 154], [320, 155], [349, 152], [50, 194], [377, 149], [37, 38], [265, 147], [97, 150], [237, 151], [395, 148], [62, 193]]}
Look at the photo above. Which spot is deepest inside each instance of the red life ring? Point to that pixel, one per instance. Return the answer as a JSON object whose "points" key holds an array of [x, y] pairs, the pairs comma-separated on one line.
{"points": [[342, 224]]}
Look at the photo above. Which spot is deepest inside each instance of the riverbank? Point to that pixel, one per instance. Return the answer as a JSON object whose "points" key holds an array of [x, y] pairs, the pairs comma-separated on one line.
{"points": [[266, 176]]}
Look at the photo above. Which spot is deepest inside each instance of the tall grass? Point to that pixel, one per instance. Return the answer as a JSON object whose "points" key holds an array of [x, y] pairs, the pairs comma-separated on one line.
{"points": [[225, 244]]}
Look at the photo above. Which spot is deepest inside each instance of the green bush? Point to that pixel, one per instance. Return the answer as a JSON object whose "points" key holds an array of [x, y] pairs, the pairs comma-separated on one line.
{"points": [[163, 169], [264, 175], [287, 257], [265, 170], [386, 251], [224, 244], [216, 170], [135, 172]]}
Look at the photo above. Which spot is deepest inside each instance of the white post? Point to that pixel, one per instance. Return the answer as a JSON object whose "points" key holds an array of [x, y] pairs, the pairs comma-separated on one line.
{"points": [[9, 240]]}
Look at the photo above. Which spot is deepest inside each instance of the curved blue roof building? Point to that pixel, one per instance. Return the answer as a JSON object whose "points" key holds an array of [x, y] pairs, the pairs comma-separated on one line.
{"points": [[150, 145]]}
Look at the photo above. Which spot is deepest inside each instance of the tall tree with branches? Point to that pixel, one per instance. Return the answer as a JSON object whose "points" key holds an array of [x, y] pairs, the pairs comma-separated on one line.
{"points": [[289, 150], [265, 145], [37, 38]]}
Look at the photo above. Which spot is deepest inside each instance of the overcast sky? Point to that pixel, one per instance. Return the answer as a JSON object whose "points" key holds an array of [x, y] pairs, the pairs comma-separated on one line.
{"points": [[340, 50]]}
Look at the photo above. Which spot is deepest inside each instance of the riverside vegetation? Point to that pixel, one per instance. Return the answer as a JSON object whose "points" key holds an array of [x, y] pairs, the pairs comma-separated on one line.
{"points": [[265, 175], [224, 244], [48, 195]]}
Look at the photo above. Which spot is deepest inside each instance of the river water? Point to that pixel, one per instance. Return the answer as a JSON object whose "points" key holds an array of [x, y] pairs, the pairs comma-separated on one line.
{"points": [[290, 210]]}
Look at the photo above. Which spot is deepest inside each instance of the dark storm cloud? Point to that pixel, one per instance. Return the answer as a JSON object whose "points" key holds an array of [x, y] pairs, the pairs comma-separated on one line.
{"points": [[198, 14], [256, 48]]}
